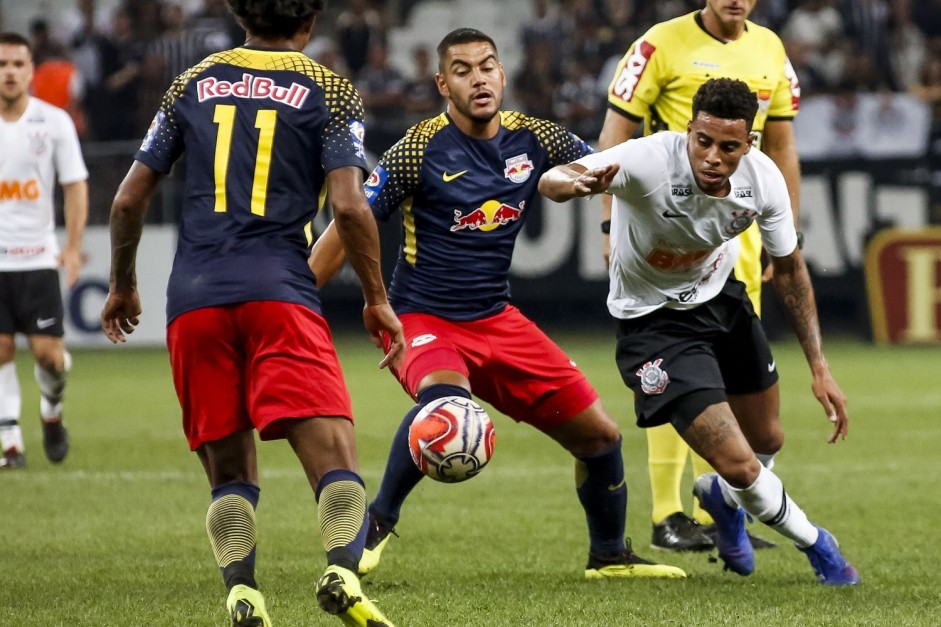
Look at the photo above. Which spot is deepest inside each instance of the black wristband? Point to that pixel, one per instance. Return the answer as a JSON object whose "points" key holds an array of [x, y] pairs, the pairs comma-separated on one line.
{"points": [[606, 226], [800, 240]]}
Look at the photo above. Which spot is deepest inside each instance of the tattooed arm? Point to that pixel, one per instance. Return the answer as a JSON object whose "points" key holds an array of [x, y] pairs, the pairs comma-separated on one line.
{"points": [[792, 283]]}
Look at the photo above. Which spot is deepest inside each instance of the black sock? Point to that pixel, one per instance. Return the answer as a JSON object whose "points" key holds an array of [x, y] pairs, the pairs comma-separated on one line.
{"points": [[401, 475], [599, 482]]}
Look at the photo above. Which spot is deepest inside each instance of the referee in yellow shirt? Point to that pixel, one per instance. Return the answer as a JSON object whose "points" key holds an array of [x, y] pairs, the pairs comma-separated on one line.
{"points": [[654, 84]]}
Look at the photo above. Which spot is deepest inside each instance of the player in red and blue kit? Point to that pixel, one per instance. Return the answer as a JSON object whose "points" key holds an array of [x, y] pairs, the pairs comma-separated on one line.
{"points": [[265, 130], [464, 181]]}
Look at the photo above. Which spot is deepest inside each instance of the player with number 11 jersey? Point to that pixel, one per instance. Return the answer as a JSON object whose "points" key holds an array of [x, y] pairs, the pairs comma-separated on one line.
{"points": [[262, 111], [266, 130]]}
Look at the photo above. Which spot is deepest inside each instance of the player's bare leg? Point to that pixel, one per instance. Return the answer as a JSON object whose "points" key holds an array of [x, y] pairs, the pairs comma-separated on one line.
{"points": [[759, 418], [594, 439], [743, 483], [12, 450], [53, 363]]}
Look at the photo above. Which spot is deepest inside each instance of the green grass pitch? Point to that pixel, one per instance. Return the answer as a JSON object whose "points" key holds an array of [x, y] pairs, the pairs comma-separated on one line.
{"points": [[115, 535]]}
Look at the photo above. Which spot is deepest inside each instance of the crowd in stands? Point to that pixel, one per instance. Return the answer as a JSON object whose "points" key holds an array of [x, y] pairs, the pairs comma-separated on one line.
{"points": [[109, 70]]}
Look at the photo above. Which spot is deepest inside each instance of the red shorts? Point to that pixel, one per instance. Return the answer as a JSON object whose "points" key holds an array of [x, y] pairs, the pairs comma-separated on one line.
{"points": [[509, 362], [253, 364]]}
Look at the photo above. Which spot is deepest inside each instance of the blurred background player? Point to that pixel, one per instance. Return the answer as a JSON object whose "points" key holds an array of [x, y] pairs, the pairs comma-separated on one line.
{"points": [[690, 345], [464, 181], [654, 84], [40, 145], [265, 130]]}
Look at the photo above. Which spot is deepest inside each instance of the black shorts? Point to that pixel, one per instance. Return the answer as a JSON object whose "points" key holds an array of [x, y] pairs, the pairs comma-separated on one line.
{"points": [[678, 362], [31, 303]]}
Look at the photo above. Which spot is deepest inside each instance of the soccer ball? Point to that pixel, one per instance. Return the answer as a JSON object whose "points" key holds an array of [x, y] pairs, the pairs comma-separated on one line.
{"points": [[451, 439]]}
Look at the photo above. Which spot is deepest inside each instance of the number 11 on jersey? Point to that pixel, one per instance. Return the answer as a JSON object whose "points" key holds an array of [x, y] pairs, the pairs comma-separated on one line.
{"points": [[265, 120]]}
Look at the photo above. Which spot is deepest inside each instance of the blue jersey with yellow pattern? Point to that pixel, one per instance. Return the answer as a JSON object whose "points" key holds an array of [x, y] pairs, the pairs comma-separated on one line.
{"points": [[261, 129], [463, 203]]}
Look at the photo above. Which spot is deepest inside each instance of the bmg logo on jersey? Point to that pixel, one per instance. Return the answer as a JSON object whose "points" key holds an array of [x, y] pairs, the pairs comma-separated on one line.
{"points": [[254, 87], [488, 216], [19, 190]]}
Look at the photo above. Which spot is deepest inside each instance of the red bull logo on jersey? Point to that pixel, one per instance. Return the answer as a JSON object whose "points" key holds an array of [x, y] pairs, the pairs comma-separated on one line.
{"points": [[487, 217], [19, 190], [253, 87], [518, 168], [625, 84]]}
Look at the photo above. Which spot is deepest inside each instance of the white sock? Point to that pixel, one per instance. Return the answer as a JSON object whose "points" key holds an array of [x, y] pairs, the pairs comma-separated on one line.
{"points": [[766, 500], [766, 459], [725, 489], [52, 389], [10, 405]]}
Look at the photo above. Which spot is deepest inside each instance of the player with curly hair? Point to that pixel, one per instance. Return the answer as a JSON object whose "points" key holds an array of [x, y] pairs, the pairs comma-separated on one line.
{"points": [[689, 344], [265, 130], [653, 86]]}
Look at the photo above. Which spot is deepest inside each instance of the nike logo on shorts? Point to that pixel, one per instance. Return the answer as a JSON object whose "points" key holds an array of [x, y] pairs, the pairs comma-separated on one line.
{"points": [[771, 366], [45, 323], [450, 177]]}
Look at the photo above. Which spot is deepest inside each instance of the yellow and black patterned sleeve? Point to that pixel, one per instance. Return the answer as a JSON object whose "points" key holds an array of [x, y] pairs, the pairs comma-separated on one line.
{"points": [[344, 134], [163, 143], [396, 177], [561, 145]]}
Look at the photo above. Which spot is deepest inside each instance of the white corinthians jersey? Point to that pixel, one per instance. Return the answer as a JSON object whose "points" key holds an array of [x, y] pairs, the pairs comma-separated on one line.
{"points": [[671, 244], [35, 149]]}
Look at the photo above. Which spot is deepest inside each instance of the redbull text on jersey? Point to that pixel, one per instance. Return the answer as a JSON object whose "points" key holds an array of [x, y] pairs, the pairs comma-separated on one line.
{"points": [[633, 69], [254, 87], [19, 190]]}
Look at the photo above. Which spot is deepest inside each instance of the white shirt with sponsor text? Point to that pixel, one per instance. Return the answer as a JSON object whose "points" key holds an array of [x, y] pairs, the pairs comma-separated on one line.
{"points": [[36, 149], [672, 245]]}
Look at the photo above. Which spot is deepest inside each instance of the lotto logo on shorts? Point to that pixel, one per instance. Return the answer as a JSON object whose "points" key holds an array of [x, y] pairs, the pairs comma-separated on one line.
{"points": [[653, 379]]}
